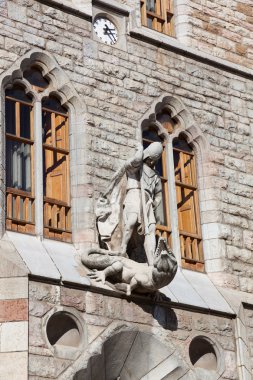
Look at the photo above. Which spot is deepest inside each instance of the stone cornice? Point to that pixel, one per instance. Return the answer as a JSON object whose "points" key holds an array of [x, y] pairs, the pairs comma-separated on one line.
{"points": [[151, 36], [85, 12], [170, 43]]}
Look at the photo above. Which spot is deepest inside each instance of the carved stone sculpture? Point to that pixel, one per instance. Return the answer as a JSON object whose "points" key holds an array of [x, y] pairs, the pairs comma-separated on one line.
{"points": [[126, 209], [128, 275]]}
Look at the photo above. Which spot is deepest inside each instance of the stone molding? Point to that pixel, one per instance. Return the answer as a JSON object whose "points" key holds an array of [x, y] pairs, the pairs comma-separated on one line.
{"points": [[58, 81], [184, 120]]}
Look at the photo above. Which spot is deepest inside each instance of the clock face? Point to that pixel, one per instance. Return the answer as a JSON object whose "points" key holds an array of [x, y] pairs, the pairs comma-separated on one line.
{"points": [[105, 30]]}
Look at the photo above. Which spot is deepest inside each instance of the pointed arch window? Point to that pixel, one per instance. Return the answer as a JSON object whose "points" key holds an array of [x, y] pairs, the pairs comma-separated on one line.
{"points": [[179, 214], [37, 161]]}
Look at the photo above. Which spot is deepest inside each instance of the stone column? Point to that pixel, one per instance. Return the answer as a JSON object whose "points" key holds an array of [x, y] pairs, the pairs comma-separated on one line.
{"points": [[38, 168], [172, 201]]}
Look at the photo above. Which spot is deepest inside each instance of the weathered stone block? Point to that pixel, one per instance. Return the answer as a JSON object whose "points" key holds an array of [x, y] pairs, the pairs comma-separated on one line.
{"points": [[36, 337], [46, 366], [13, 288], [73, 297], [34, 40], [39, 308], [44, 292], [230, 363], [14, 336], [13, 310], [13, 365], [17, 12]]}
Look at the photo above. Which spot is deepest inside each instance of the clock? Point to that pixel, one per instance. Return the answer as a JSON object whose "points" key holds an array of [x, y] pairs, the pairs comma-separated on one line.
{"points": [[105, 30]]}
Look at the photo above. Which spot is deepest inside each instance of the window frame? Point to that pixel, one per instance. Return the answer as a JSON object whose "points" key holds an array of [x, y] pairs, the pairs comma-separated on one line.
{"points": [[52, 230], [37, 94], [19, 198], [163, 16], [168, 160], [194, 258]]}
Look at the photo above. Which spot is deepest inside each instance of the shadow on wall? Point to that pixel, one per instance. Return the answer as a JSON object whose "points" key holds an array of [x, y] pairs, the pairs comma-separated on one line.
{"points": [[165, 316]]}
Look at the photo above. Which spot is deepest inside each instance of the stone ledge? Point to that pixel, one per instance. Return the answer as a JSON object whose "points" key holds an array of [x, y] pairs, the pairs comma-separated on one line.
{"points": [[113, 5], [84, 11], [50, 260], [173, 44]]}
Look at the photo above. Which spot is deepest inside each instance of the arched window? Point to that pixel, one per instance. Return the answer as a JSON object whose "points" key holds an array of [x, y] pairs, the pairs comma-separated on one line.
{"points": [[37, 160], [177, 168]]}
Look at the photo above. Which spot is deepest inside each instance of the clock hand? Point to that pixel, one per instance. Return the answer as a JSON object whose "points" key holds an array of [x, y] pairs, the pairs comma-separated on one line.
{"points": [[109, 30], [106, 29], [110, 33]]}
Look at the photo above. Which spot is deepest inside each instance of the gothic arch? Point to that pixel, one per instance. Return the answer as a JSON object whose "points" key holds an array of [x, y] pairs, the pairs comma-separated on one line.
{"points": [[185, 123], [61, 86], [52, 71]]}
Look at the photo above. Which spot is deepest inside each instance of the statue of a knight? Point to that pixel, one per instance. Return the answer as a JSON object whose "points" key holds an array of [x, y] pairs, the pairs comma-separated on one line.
{"points": [[142, 197]]}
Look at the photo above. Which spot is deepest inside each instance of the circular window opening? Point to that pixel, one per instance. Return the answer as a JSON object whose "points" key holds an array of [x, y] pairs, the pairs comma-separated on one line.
{"points": [[202, 354], [62, 330]]}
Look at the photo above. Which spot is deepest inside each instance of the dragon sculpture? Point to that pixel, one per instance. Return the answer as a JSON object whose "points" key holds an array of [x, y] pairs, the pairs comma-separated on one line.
{"points": [[127, 275]]}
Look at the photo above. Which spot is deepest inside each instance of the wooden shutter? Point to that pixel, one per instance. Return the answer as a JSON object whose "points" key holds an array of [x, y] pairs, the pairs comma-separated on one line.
{"points": [[57, 223], [188, 205]]}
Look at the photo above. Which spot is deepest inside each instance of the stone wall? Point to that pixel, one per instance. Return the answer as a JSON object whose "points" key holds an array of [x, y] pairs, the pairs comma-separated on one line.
{"points": [[13, 314], [221, 28], [118, 88], [99, 313]]}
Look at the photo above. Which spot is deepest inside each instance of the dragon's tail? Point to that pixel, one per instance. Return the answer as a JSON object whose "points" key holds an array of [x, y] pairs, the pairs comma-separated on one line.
{"points": [[98, 258]]}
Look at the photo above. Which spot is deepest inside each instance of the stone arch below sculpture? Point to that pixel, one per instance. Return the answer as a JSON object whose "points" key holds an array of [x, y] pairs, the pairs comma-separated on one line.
{"points": [[133, 355]]}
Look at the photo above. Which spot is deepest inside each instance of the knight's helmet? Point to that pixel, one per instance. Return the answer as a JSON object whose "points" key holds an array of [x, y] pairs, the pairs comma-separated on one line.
{"points": [[153, 151]]}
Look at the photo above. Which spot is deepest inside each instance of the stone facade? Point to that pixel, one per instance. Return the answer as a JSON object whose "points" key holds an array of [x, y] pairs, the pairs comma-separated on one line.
{"points": [[104, 314], [206, 69], [217, 27]]}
